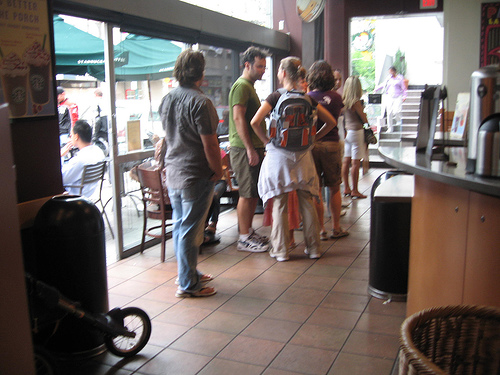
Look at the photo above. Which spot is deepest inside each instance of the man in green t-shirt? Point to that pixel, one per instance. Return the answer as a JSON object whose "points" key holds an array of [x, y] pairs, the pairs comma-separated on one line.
{"points": [[247, 150]]}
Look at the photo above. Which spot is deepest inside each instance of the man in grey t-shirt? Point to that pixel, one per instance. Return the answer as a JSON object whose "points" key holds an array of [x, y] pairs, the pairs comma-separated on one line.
{"points": [[193, 165]]}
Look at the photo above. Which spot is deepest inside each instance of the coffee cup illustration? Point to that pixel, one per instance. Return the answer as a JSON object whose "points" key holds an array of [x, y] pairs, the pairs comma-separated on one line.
{"points": [[38, 61], [14, 75]]}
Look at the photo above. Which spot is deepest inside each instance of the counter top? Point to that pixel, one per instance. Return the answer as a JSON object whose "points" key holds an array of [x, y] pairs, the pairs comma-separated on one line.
{"points": [[398, 188], [407, 159], [438, 140]]}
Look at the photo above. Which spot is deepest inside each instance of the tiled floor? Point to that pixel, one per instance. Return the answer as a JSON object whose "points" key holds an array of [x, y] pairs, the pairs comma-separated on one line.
{"points": [[298, 317]]}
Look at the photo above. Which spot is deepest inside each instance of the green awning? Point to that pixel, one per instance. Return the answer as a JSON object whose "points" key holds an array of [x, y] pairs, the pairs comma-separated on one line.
{"points": [[75, 49], [148, 59]]}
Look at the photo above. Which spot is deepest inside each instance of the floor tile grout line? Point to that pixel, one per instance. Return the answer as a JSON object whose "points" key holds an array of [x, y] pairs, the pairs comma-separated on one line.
{"points": [[305, 321], [256, 317], [302, 324], [293, 283]]}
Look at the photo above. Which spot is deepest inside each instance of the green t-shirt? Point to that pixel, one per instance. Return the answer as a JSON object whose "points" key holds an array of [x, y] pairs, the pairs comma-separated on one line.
{"points": [[243, 93]]}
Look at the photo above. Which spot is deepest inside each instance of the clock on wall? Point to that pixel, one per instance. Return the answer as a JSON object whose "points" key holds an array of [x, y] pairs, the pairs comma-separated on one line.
{"points": [[309, 10]]}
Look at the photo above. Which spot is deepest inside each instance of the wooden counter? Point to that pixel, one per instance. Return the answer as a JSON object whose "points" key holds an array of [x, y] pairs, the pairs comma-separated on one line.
{"points": [[455, 232]]}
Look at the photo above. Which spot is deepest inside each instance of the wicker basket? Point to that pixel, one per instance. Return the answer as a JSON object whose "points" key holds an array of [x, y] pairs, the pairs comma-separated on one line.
{"points": [[451, 340]]}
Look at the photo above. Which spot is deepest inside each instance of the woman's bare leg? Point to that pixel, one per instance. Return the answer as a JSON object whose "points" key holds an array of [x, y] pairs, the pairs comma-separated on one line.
{"points": [[345, 175], [335, 206], [355, 178]]}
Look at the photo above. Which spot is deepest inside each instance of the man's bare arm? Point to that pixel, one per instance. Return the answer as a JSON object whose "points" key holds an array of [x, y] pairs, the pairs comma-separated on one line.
{"points": [[239, 112]]}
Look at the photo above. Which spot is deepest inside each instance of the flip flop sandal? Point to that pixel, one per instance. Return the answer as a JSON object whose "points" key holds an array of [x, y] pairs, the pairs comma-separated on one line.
{"points": [[210, 237], [203, 292], [339, 233], [360, 196], [203, 279], [211, 227]]}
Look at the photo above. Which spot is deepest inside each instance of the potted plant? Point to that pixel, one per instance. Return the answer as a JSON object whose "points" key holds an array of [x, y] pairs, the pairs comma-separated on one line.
{"points": [[400, 64]]}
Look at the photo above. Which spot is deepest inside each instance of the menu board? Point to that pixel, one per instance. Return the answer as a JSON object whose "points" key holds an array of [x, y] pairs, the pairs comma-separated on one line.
{"points": [[134, 135], [25, 58]]}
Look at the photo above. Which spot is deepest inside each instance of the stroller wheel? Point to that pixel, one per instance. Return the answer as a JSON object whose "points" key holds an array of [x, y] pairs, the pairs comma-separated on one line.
{"points": [[137, 321], [45, 364]]}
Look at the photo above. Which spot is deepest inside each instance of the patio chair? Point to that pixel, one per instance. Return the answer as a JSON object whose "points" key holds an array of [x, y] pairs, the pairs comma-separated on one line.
{"points": [[93, 173], [156, 206]]}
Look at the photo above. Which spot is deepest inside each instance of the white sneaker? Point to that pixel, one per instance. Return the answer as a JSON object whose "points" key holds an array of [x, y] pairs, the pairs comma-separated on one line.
{"points": [[280, 258], [263, 239], [312, 255], [253, 244]]}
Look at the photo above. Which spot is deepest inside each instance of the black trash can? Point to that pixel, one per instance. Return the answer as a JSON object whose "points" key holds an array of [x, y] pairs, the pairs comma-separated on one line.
{"points": [[70, 256], [391, 197]]}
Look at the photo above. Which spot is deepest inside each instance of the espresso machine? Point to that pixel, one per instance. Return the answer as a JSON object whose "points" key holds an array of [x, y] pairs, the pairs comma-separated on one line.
{"points": [[484, 101]]}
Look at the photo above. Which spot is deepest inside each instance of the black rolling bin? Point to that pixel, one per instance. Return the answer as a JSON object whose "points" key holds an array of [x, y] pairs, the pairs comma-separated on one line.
{"points": [[71, 256], [391, 198]]}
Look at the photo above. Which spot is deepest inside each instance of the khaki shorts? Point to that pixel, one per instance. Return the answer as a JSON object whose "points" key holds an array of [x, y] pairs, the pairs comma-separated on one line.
{"points": [[246, 176], [328, 160]]}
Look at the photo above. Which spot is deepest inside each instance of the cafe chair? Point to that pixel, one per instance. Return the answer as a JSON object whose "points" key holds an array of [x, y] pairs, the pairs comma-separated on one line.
{"points": [[457, 340], [93, 173], [228, 174], [232, 185], [156, 206]]}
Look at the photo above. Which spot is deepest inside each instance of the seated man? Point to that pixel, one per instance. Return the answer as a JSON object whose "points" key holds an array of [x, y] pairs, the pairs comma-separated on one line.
{"points": [[80, 137]]}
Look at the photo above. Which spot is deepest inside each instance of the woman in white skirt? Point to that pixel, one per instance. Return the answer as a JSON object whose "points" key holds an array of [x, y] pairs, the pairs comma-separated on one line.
{"points": [[354, 145]]}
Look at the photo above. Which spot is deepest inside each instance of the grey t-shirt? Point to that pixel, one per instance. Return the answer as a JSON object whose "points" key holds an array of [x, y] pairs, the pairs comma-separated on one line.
{"points": [[186, 113]]}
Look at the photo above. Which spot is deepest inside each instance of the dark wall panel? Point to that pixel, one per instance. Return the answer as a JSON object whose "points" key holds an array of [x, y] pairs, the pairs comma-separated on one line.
{"points": [[36, 156]]}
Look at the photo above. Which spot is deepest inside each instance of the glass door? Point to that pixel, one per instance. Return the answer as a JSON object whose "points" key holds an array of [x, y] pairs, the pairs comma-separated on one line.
{"points": [[125, 90], [142, 75], [132, 73]]}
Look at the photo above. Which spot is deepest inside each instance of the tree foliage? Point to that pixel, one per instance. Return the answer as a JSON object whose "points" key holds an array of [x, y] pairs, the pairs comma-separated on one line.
{"points": [[400, 62], [363, 65]]}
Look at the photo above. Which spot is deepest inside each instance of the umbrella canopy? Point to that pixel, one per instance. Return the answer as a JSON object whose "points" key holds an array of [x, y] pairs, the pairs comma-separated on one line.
{"points": [[75, 49], [148, 59]]}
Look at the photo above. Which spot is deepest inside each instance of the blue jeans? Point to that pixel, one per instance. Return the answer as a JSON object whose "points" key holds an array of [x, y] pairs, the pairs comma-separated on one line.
{"points": [[190, 207]]}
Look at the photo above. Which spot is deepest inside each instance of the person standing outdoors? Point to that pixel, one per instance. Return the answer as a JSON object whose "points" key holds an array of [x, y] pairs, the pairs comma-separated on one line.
{"points": [[247, 150], [62, 100], [328, 151], [193, 165], [395, 90], [64, 117]]}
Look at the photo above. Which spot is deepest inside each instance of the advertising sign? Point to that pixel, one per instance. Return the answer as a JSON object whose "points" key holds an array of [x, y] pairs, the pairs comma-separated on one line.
{"points": [[25, 58]]}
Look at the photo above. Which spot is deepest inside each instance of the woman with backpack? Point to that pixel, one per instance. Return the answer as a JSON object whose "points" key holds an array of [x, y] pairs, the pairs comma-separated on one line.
{"points": [[289, 164]]}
